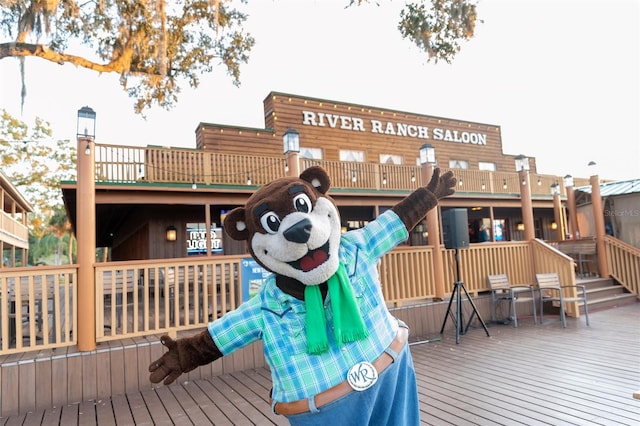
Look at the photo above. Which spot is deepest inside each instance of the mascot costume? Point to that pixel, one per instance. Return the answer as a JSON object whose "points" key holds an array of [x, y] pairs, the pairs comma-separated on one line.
{"points": [[336, 354]]}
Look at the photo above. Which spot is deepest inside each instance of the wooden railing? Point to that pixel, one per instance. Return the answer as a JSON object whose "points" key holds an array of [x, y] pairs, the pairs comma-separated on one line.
{"points": [[13, 231], [149, 297], [624, 264], [480, 260], [136, 298], [548, 259], [121, 164], [37, 308]]}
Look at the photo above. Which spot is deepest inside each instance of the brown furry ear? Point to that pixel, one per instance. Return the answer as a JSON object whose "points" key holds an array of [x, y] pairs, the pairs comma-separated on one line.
{"points": [[318, 178], [235, 225]]}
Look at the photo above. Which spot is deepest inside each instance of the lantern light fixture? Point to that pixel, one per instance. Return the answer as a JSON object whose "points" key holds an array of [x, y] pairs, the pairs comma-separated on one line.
{"points": [[568, 181], [291, 140], [555, 188], [171, 233], [86, 123], [427, 154], [522, 163]]}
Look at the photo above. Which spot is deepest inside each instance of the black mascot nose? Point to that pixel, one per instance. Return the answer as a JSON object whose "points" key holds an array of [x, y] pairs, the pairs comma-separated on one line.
{"points": [[299, 232]]}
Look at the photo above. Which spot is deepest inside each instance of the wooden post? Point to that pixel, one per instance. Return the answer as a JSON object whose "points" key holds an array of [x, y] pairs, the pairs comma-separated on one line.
{"points": [[557, 217], [598, 217], [293, 163], [527, 207], [86, 239], [573, 218], [433, 231]]}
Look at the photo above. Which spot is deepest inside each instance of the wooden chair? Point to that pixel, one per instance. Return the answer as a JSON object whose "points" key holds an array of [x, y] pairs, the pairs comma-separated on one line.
{"points": [[550, 289], [503, 291]]}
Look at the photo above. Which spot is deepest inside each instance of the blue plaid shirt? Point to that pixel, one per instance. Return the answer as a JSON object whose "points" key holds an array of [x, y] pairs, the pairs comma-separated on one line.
{"points": [[279, 319]]}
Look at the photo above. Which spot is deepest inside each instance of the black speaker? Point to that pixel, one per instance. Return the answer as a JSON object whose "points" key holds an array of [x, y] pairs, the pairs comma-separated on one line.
{"points": [[455, 228]]}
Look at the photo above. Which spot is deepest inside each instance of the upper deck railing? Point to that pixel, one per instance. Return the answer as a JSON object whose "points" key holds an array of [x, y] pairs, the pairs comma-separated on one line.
{"points": [[122, 164]]}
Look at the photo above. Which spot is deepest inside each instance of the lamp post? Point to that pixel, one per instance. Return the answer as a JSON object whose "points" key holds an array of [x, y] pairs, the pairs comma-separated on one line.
{"points": [[598, 217], [522, 167], [557, 211], [86, 229], [427, 165], [571, 206], [291, 149]]}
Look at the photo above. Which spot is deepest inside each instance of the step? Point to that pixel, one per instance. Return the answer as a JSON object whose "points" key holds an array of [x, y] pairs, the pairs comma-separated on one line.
{"points": [[610, 302]]}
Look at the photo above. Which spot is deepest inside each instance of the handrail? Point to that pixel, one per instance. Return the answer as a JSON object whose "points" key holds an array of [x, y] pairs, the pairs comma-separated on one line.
{"points": [[624, 263], [149, 297], [549, 259], [157, 165], [37, 308], [136, 298]]}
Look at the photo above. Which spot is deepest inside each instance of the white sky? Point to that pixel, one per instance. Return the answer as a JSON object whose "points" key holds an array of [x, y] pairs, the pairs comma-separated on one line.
{"points": [[560, 77]]}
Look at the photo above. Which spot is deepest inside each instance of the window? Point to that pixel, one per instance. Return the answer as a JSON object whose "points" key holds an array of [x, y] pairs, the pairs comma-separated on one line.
{"points": [[458, 164], [311, 153], [390, 159], [490, 167], [347, 155]]}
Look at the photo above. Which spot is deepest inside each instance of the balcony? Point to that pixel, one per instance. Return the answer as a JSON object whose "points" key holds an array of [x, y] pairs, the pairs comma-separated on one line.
{"points": [[158, 165]]}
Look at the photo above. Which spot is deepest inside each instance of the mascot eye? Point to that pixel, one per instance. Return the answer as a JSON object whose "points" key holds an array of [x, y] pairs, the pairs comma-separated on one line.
{"points": [[302, 203], [270, 222]]}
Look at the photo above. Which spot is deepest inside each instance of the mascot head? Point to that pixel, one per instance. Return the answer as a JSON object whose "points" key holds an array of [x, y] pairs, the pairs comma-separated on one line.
{"points": [[292, 227]]}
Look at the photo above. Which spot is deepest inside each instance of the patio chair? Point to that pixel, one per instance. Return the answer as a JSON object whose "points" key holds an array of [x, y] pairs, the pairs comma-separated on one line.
{"points": [[550, 289], [503, 291]]}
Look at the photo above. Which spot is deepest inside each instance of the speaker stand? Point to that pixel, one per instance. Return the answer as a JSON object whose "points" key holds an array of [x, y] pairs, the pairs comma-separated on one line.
{"points": [[457, 295]]}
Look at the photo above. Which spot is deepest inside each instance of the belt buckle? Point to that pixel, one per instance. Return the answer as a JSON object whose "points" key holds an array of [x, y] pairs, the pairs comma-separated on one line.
{"points": [[362, 376]]}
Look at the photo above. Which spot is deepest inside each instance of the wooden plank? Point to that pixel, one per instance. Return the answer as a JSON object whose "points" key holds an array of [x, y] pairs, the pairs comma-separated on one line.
{"points": [[69, 414], [43, 390], [74, 375], [156, 409], [139, 409], [121, 410], [27, 384], [87, 413], [104, 413], [209, 409], [51, 416], [172, 405]]}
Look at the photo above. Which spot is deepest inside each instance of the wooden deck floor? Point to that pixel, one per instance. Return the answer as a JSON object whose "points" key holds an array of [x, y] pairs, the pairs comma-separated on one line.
{"points": [[532, 375]]}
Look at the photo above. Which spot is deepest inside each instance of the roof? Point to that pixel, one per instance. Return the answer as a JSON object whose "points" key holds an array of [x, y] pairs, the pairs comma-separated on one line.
{"points": [[14, 193], [615, 188]]}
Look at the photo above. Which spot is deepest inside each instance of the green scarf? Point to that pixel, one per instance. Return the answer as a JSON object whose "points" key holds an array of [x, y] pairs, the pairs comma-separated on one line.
{"points": [[348, 325]]}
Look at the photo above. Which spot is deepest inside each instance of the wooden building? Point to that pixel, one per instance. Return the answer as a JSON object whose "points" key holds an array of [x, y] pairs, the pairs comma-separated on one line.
{"points": [[145, 193], [14, 232]]}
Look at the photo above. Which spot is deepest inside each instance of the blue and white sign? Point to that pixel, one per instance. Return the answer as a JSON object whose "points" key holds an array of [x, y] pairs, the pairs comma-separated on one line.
{"points": [[253, 277]]}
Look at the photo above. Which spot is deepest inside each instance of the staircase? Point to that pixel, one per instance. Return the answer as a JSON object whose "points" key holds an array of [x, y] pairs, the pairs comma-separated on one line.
{"points": [[604, 293]]}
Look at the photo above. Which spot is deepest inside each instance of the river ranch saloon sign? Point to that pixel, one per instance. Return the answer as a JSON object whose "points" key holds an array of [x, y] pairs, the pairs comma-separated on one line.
{"points": [[357, 124]]}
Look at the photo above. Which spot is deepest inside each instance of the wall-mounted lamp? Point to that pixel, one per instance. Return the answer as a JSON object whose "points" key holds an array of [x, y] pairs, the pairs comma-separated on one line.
{"points": [[554, 225], [555, 188], [248, 180], [520, 226], [504, 184], [384, 178], [171, 234], [291, 141]]}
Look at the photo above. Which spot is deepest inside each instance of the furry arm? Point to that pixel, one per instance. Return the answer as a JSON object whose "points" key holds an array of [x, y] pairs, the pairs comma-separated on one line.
{"points": [[416, 205], [183, 356]]}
